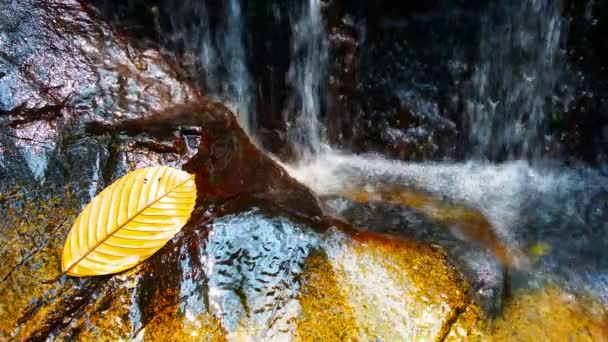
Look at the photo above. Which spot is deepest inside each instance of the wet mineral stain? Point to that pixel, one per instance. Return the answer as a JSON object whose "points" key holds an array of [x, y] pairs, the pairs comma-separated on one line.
{"points": [[326, 316]]}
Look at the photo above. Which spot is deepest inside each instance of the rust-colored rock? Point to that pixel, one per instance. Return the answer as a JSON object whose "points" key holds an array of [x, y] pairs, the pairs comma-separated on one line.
{"points": [[326, 315], [467, 221], [548, 313]]}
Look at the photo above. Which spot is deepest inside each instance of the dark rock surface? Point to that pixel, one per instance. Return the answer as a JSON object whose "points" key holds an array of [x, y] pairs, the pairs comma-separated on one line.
{"points": [[54, 82], [585, 125], [400, 76]]}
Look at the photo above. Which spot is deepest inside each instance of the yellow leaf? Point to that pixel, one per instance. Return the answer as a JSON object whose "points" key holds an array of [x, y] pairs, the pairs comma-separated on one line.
{"points": [[129, 221]]}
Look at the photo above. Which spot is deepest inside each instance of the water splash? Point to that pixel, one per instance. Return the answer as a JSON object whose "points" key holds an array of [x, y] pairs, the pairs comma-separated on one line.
{"points": [[306, 73], [525, 204], [514, 86]]}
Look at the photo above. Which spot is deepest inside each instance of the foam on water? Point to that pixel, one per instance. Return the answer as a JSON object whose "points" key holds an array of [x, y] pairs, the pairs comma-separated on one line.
{"points": [[525, 203]]}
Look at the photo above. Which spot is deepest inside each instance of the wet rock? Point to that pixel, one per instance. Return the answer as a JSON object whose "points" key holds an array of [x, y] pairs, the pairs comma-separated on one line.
{"points": [[62, 68], [326, 314], [551, 313], [80, 108], [392, 84], [377, 288], [547, 313], [256, 259], [227, 164], [482, 261]]}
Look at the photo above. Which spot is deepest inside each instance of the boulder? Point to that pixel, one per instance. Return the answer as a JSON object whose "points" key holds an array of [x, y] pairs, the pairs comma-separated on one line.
{"points": [[369, 287]]}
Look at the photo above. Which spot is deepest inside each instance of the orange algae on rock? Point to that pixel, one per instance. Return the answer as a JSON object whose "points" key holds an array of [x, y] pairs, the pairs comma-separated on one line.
{"points": [[545, 314], [398, 290], [112, 315], [326, 316], [550, 314], [32, 232], [468, 326], [169, 324], [115, 315]]}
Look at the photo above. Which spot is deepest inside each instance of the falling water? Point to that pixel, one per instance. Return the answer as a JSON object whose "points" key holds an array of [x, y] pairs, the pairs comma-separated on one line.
{"points": [[237, 88], [216, 49], [514, 84], [306, 74], [218, 52]]}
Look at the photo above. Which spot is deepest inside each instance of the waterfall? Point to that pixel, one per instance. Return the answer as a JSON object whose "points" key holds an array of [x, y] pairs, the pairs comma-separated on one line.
{"points": [[236, 89], [215, 47], [513, 91], [216, 51], [306, 73]]}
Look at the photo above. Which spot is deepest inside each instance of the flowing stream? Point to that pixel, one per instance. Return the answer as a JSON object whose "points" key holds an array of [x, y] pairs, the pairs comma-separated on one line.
{"points": [[216, 49]]}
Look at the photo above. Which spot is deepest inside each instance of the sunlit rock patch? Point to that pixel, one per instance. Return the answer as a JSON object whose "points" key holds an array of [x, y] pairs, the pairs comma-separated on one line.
{"points": [[326, 315], [552, 314], [170, 325], [112, 313], [32, 227], [391, 290], [546, 314]]}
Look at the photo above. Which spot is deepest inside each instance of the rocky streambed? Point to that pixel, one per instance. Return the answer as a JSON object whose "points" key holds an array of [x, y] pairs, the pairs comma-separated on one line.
{"points": [[263, 256]]}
